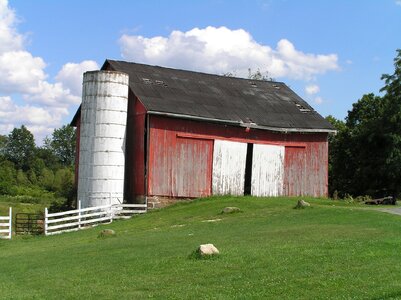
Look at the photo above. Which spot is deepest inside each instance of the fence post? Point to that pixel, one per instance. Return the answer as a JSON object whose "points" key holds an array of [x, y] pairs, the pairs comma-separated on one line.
{"points": [[79, 214], [10, 224], [46, 220], [111, 208]]}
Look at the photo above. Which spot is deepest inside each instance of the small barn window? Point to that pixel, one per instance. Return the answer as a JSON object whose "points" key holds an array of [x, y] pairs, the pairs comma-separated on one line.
{"points": [[147, 80], [302, 108]]}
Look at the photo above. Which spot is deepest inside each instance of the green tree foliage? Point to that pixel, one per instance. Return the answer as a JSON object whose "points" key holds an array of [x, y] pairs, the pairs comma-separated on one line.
{"points": [[22, 179], [46, 179], [39, 173], [3, 141], [391, 127], [365, 155], [8, 177], [20, 148], [62, 144]]}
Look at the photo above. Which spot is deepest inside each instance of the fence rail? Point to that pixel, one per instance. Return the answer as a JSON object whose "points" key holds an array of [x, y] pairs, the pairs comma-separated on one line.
{"points": [[80, 218], [6, 225]]}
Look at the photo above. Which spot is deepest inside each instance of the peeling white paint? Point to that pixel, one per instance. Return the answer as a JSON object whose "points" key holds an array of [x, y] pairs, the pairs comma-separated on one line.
{"points": [[102, 138], [267, 170], [229, 160]]}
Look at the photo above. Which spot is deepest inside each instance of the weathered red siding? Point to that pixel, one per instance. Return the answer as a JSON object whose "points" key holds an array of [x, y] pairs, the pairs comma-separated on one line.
{"points": [[308, 170], [294, 171], [179, 166], [135, 150]]}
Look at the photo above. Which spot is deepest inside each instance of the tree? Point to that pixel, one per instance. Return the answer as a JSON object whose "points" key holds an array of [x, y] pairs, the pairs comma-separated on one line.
{"points": [[365, 155], [20, 148], [257, 75], [8, 176], [391, 127], [337, 157], [3, 141], [62, 144]]}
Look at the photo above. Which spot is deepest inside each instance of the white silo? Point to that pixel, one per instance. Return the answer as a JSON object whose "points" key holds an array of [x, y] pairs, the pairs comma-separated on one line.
{"points": [[102, 138]]}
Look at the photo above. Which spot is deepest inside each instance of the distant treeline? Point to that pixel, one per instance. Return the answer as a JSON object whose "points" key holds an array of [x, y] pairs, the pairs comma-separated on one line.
{"points": [[38, 172], [365, 155]]}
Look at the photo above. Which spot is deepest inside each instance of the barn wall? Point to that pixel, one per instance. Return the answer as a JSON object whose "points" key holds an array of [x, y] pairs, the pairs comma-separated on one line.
{"points": [[179, 166], [164, 133], [135, 159]]}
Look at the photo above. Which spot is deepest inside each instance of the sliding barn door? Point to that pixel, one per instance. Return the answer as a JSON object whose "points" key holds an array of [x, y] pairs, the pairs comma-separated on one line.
{"points": [[229, 160], [267, 170]]}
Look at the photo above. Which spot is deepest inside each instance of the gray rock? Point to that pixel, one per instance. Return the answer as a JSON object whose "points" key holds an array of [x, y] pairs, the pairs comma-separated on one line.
{"points": [[107, 233], [302, 204], [230, 210], [208, 249]]}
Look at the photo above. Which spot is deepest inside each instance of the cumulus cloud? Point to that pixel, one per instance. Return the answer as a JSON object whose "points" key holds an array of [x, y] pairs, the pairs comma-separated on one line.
{"points": [[40, 121], [10, 39], [71, 75], [312, 89], [24, 77], [318, 100], [221, 50]]}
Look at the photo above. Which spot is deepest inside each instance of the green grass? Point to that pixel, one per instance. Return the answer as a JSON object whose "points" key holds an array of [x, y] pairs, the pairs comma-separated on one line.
{"points": [[21, 204], [333, 250]]}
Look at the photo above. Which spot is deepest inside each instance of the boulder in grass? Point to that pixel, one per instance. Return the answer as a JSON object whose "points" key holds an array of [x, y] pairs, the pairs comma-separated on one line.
{"points": [[207, 250], [106, 233], [302, 204], [230, 210]]}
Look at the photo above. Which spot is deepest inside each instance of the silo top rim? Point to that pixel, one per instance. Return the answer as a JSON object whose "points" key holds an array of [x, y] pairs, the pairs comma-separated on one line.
{"points": [[106, 72], [106, 76]]}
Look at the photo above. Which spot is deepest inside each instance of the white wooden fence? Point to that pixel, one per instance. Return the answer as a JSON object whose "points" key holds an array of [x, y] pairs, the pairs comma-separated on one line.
{"points": [[81, 218], [6, 225]]}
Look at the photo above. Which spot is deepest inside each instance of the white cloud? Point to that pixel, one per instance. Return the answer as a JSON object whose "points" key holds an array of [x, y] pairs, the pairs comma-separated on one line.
{"points": [[221, 50], [318, 100], [71, 75], [40, 121], [398, 2], [21, 72], [23, 77], [312, 89], [10, 39]]}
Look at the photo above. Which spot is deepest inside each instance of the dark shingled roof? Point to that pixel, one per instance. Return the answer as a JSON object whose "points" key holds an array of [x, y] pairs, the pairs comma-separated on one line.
{"points": [[254, 103]]}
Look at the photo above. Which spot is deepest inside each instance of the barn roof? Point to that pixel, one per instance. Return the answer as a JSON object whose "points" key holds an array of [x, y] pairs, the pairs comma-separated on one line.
{"points": [[244, 102]]}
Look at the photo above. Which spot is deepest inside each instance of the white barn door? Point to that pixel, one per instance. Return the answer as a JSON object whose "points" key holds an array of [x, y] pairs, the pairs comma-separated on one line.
{"points": [[229, 159], [267, 170]]}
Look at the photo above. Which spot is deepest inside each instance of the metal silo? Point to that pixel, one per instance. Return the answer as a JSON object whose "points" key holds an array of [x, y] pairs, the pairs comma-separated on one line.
{"points": [[102, 138]]}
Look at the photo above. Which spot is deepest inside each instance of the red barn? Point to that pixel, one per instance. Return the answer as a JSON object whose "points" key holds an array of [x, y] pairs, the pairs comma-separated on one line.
{"points": [[191, 134]]}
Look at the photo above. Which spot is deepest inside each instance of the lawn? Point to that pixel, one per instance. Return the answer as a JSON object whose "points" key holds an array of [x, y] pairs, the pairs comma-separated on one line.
{"points": [[21, 204], [332, 250]]}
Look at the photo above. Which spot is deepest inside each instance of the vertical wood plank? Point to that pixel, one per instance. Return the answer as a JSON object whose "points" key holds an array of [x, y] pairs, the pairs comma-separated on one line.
{"points": [[267, 170], [295, 172], [229, 159]]}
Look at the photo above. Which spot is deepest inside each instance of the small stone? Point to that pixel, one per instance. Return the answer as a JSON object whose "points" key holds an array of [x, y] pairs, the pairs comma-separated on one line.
{"points": [[230, 210], [208, 249], [107, 233], [302, 204]]}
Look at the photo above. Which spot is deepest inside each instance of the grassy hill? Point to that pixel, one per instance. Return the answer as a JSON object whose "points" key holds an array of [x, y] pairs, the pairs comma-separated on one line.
{"points": [[332, 250]]}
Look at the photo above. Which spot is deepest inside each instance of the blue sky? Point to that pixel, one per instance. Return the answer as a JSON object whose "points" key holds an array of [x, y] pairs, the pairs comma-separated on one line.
{"points": [[329, 52]]}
